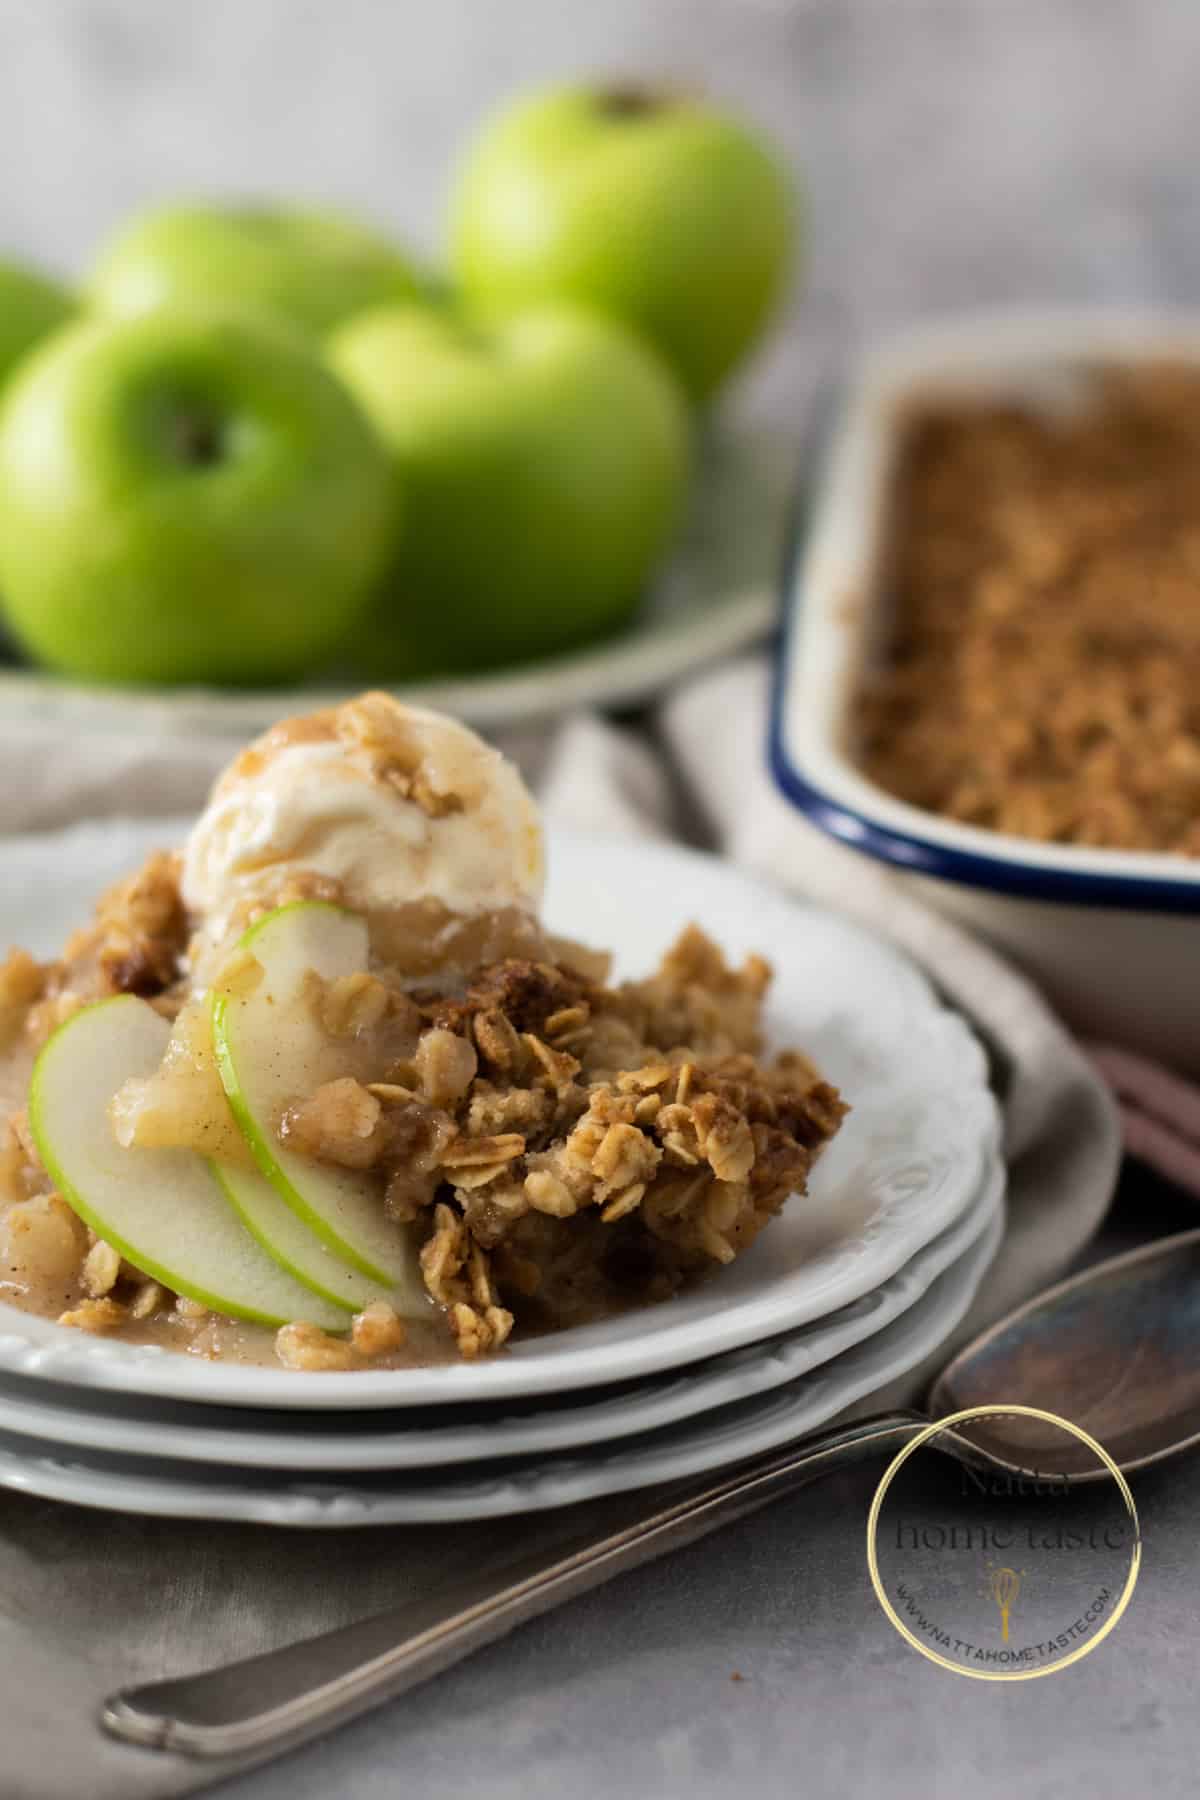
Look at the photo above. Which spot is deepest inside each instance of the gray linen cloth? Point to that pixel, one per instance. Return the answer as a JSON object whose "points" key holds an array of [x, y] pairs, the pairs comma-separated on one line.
{"points": [[89, 1601]]}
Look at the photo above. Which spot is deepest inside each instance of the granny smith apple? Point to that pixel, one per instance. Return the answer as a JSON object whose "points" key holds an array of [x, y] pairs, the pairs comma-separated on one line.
{"points": [[162, 1209], [543, 465], [652, 206], [186, 498], [271, 1051], [311, 268], [289, 1242], [31, 306]]}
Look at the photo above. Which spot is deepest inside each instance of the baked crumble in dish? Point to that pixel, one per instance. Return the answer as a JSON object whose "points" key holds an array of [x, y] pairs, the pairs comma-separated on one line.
{"points": [[1043, 677], [322, 1089]]}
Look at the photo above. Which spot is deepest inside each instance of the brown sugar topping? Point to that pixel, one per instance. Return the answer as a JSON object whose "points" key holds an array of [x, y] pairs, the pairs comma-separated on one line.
{"points": [[1044, 673]]}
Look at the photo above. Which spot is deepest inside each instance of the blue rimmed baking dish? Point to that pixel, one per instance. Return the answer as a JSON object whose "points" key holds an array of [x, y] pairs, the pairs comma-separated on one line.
{"points": [[1112, 935]]}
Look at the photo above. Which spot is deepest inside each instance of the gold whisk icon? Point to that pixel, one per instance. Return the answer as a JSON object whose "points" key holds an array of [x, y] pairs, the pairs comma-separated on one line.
{"points": [[1004, 1587]]}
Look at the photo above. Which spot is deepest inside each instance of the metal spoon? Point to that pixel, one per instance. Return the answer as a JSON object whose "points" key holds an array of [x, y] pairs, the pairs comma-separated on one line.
{"points": [[1112, 1349]]}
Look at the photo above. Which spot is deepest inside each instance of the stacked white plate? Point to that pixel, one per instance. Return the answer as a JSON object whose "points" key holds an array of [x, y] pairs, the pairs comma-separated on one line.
{"points": [[855, 1284]]}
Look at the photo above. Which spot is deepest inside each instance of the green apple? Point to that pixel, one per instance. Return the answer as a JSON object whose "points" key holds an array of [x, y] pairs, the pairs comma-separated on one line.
{"points": [[162, 1209], [543, 466], [651, 206], [311, 268], [289, 1242], [271, 1050], [186, 497], [31, 307]]}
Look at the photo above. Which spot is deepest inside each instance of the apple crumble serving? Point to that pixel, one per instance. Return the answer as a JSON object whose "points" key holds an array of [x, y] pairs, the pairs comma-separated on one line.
{"points": [[1043, 677], [275, 1085]]}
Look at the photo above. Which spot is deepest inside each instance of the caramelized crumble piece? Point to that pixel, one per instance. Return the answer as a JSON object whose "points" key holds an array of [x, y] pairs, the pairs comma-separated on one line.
{"points": [[377, 1329], [446, 1066], [340, 1123], [22, 984], [370, 724], [41, 1241], [148, 1297], [457, 1275], [134, 945], [101, 1269], [301, 1346], [139, 933], [98, 1316]]}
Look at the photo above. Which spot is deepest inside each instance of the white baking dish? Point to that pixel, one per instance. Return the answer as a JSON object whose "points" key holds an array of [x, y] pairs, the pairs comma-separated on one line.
{"points": [[1112, 935]]}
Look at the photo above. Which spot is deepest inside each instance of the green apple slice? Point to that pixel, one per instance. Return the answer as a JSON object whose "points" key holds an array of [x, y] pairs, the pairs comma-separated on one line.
{"points": [[293, 1245], [270, 1052], [162, 1209]]}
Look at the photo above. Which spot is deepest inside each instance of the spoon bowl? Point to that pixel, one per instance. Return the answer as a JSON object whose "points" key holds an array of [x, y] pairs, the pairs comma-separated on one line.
{"points": [[1112, 1349]]}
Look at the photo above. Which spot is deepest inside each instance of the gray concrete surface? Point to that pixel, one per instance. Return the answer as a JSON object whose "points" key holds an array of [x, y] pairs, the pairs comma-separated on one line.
{"points": [[955, 152], [629, 1692]]}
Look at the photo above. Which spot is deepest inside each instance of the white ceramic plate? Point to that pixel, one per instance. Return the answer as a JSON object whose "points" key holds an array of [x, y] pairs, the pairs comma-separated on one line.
{"points": [[138, 1485], [351, 1442], [908, 1162], [716, 596]]}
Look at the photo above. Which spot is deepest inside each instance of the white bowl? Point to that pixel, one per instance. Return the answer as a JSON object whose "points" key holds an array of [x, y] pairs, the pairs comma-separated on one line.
{"points": [[1112, 935]]}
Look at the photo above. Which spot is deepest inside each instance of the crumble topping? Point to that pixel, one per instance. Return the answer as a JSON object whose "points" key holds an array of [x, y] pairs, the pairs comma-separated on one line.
{"points": [[394, 754], [1044, 673], [381, 743]]}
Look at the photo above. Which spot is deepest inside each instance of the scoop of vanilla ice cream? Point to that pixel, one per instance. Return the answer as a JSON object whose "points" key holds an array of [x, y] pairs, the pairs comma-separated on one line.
{"points": [[395, 803]]}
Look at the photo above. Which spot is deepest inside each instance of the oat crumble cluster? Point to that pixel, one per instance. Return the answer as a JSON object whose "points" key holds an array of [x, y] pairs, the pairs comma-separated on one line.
{"points": [[1044, 673], [563, 1147]]}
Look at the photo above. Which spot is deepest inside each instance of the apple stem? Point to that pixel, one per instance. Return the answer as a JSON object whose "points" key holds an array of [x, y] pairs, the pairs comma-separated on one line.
{"points": [[197, 440], [627, 100]]}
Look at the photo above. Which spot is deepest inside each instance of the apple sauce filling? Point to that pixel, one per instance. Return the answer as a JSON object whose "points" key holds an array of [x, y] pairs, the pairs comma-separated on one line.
{"points": [[333, 1144]]}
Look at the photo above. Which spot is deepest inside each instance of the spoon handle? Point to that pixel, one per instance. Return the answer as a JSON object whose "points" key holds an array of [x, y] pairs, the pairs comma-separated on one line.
{"points": [[266, 1703]]}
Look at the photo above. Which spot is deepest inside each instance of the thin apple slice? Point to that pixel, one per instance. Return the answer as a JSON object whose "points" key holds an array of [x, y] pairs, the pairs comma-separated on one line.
{"points": [[162, 1209], [292, 1244], [271, 1051]]}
